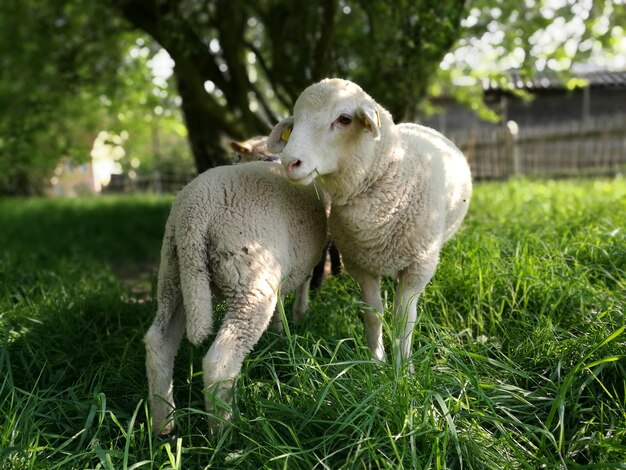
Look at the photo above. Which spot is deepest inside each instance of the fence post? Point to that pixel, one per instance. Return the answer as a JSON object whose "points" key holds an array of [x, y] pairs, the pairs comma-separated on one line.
{"points": [[512, 149]]}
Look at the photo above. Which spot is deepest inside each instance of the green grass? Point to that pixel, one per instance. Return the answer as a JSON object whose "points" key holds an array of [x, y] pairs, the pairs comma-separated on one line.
{"points": [[519, 350]]}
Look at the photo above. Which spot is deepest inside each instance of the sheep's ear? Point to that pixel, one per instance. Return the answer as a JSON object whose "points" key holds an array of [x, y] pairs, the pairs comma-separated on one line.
{"points": [[369, 117], [241, 147], [280, 135]]}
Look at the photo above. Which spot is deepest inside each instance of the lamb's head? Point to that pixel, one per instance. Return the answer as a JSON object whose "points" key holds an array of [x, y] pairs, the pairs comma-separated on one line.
{"points": [[334, 122], [251, 150]]}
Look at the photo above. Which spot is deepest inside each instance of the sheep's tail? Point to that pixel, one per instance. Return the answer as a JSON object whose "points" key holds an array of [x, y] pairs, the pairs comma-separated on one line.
{"points": [[195, 278]]}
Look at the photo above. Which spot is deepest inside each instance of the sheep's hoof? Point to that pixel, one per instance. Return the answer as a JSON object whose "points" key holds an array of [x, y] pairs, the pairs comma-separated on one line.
{"points": [[217, 422], [298, 319], [219, 409], [162, 419], [277, 326], [167, 431]]}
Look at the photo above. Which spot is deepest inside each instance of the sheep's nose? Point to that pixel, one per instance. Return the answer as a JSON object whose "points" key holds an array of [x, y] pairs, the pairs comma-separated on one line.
{"points": [[292, 165]]}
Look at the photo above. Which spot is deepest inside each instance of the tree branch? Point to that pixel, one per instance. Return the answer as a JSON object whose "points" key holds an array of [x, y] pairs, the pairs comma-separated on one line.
{"points": [[284, 100], [266, 107], [231, 22]]}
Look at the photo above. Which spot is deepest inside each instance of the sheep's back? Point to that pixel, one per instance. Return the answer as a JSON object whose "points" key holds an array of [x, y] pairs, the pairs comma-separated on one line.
{"points": [[455, 182], [259, 225]]}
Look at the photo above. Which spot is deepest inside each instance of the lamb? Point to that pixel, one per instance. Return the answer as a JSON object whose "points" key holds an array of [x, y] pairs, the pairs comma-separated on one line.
{"points": [[245, 233], [398, 193]]}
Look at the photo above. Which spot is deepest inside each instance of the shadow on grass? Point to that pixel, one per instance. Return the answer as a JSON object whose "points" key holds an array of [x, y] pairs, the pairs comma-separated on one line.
{"points": [[111, 230]]}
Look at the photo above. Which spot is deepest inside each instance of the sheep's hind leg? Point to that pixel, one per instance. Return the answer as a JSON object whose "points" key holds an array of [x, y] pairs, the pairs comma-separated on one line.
{"points": [[370, 290], [162, 341], [242, 327]]}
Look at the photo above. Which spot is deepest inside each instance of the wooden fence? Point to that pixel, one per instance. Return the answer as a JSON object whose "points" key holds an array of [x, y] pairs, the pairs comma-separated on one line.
{"points": [[166, 182], [592, 148]]}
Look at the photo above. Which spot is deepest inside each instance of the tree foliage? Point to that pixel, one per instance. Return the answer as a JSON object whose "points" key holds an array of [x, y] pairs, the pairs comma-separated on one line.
{"points": [[545, 36], [68, 70], [65, 71], [55, 59], [147, 108]]}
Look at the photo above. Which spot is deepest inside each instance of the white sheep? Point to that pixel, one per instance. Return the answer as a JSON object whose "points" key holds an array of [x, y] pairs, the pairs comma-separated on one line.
{"points": [[245, 233], [398, 192]]}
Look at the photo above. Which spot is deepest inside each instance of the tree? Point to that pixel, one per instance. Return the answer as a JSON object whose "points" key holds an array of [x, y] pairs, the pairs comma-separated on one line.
{"points": [[238, 63], [53, 57], [70, 69], [145, 106]]}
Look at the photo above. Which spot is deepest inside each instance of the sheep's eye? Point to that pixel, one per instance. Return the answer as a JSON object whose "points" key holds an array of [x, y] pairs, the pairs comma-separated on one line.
{"points": [[344, 119]]}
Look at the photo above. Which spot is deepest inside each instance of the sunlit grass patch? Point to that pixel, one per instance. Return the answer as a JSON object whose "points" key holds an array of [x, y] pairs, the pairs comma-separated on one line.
{"points": [[519, 348]]}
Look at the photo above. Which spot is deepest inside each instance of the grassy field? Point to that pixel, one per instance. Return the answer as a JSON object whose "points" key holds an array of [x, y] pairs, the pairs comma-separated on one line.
{"points": [[519, 350]]}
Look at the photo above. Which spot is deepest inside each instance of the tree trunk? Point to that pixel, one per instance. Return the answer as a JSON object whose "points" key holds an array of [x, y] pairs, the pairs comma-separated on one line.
{"points": [[203, 131], [206, 119]]}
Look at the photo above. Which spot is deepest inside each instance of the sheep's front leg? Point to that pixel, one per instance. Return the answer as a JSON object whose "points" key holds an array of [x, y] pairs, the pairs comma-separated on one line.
{"points": [[162, 341], [370, 291], [241, 329], [411, 283]]}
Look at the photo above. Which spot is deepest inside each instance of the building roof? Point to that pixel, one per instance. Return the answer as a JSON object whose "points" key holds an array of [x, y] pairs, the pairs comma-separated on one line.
{"points": [[552, 81]]}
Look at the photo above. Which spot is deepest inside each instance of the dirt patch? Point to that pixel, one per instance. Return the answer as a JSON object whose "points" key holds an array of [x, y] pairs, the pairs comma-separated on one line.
{"points": [[139, 279]]}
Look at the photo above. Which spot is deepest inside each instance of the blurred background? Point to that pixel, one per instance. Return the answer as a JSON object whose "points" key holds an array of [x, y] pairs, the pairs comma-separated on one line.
{"points": [[141, 95]]}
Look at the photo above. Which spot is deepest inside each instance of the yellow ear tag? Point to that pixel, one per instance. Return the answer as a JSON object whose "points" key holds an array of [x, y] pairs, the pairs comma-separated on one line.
{"points": [[285, 134], [369, 124]]}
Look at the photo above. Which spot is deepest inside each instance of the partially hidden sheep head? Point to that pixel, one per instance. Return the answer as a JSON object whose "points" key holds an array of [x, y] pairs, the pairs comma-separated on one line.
{"points": [[252, 149], [333, 120]]}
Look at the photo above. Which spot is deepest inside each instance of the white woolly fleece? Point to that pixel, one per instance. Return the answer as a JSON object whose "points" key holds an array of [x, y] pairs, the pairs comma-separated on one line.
{"points": [[398, 192], [244, 233]]}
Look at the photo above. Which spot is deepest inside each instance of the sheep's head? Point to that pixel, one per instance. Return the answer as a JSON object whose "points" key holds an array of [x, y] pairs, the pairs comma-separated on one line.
{"points": [[253, 149], [333, 121]]}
